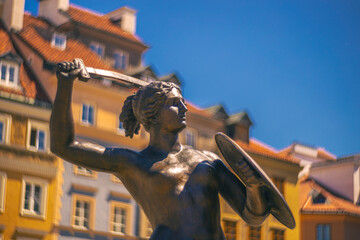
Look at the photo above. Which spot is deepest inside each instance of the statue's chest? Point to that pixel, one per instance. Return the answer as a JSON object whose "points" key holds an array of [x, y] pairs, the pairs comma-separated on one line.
{"points": [[175, 170]]}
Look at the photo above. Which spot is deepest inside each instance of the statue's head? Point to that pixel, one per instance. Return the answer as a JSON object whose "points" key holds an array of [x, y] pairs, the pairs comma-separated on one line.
{"points": [[158, 104]]}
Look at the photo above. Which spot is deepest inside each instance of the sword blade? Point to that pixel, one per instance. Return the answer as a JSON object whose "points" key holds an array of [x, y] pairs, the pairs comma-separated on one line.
{"points": [[115, 76]]}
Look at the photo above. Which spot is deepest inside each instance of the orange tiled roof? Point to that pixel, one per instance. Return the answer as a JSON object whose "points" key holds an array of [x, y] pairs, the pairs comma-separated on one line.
{"points": [[30, 88], [100, 22], [257, 147], [321, 153], [196, 110], [333, 205], [36, 34]]}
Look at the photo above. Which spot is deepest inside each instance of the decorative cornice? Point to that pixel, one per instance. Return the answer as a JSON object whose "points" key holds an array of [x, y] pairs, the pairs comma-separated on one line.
{"points": [[27, 167]]}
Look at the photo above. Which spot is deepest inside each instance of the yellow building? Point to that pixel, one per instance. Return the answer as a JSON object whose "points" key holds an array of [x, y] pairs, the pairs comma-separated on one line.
{"points": [[29, 183], [106, 43]]}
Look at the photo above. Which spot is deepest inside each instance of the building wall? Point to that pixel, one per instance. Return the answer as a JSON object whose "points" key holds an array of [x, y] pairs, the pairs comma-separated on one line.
{"points": [[103, 189], [310, 221], [18, 163], [335, 177]]}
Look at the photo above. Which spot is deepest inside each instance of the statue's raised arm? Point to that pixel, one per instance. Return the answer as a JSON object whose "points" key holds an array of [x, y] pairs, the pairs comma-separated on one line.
{"points": [[62, 133]]}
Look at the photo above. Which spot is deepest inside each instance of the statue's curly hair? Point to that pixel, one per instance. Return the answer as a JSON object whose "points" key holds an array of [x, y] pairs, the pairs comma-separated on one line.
{"points": [[143, 106]]}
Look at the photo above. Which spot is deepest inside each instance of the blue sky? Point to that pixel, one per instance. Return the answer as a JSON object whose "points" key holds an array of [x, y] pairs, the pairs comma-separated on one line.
{"points": [[293, 65]]}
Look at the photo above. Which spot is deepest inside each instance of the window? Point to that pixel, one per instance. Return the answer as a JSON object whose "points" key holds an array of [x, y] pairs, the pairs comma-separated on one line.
{"points": [[83, 211], [2, 191], [84, 171], [9, 73], [278, 234], [254, 233], [5, 121], [319, 199], [120, 221], [120, 128], [37, 136], [147, 78], [34, 193], [115, 179], [87, 116], [97, 48], [279, 184], [323, 232], [229, 229], [190, 138], [59, 41], [120, 60]]}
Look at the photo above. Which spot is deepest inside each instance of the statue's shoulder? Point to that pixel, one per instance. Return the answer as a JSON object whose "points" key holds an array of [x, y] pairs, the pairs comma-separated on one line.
{"points": [[207, 154]]}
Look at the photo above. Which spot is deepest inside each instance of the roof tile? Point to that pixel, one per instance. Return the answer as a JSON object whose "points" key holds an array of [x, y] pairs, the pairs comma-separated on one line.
{"points": [[30, 88], [32, 33], [334, 204], [100, 22], [257, 147]]}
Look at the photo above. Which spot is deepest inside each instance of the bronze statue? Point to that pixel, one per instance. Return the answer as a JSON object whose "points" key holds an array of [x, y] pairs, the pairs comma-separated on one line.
{"points": [[177, 186]]}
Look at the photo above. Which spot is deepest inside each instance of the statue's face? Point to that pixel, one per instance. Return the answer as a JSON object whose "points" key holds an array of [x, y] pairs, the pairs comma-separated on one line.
{"points": [[172, 114]]}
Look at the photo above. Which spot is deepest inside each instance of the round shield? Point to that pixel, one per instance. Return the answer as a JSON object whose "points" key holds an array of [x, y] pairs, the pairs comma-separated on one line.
{"points": [[235, 156]]}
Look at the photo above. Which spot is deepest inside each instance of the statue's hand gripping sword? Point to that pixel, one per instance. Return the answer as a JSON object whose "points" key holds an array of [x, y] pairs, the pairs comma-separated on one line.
{"points": [[87, 72]]}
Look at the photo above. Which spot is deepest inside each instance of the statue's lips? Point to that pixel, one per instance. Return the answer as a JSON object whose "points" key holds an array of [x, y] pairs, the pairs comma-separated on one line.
{"points": [[182, 118]]}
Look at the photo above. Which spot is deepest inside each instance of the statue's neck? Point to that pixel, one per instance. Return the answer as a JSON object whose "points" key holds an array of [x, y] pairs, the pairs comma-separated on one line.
{"points": [[164, 141]]}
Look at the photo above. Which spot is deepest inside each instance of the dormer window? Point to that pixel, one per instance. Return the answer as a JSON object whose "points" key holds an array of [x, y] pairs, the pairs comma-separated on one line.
{"points": [[97, 48], [59, 41], [9, 73], [120, 60]]}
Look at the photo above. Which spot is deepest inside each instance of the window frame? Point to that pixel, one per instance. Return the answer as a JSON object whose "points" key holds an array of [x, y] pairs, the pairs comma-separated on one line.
{"points": [[193, 133], [82, 121], [124, 65], [53, 40], [275, 231], [254, 229], [115, 179], [279, 184], [129, 211], [3, 178], [92, 206], [225, 227], [6, 119], [16, 67], [44, 192], [121, 130], [38, 126], [97, 45], [80, 172], [322, 225]]}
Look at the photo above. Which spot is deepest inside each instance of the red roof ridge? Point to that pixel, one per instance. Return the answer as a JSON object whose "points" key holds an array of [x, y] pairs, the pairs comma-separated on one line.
{"points": [[258, 147], [86, 9], [334, 204], [99, 21], [257, 141]]}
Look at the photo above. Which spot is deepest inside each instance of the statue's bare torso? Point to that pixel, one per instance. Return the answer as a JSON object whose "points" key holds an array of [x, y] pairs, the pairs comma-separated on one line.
{"points": [[174, 189]]}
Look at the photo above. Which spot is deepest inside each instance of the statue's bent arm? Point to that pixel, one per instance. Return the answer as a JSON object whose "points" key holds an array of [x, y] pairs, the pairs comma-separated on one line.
{"points": [[62, 134], [237, 195]]}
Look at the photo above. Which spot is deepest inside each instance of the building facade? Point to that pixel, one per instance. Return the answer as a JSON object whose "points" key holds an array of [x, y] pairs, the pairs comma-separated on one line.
{"points": [[29, 173], [95, 205]]}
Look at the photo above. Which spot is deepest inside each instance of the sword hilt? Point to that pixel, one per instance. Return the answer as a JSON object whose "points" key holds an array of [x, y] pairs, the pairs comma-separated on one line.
{"points": [[83, 75]]}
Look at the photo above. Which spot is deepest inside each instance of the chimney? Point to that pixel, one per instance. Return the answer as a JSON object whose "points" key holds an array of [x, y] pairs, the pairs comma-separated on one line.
{"points": [[51, 10], [13, 13], [238, 126], [125, 17]]}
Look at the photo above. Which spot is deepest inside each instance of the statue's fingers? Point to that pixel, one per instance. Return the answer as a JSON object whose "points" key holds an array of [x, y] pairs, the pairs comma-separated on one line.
{"points": [[76, 63]]}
